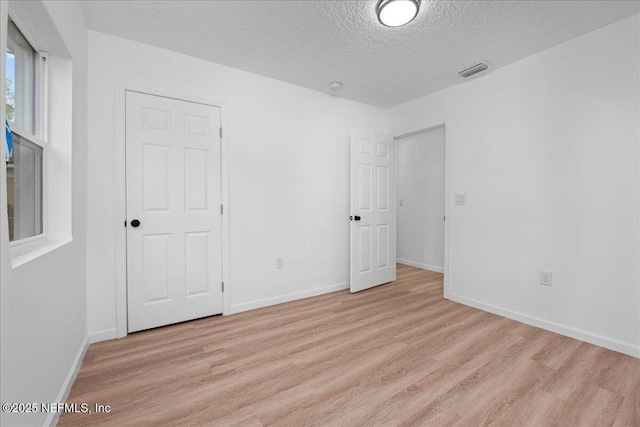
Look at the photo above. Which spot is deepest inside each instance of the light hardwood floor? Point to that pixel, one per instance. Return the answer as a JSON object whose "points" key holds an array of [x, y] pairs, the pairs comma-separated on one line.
{"points": [[395, 355]]}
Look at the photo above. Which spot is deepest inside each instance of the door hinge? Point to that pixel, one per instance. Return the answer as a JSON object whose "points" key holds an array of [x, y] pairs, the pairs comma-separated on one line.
{"points": [[445, 218], [221, 209], [220, 132], [222, 286], [125, 223]]}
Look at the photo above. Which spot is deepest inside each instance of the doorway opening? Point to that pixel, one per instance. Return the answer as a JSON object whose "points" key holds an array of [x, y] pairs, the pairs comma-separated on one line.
{"points": [[422, 200]]}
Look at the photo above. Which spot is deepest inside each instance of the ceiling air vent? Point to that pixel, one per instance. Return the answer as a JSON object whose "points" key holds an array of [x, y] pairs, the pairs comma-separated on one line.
{"points": [[474, 69]]}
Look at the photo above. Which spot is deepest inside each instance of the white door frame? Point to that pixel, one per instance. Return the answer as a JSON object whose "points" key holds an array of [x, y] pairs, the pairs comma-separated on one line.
{"points": [[121, 196], [447, 189]]}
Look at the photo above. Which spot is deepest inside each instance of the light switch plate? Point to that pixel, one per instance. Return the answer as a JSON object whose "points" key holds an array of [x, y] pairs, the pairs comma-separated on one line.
{"points": [[460, 199]]}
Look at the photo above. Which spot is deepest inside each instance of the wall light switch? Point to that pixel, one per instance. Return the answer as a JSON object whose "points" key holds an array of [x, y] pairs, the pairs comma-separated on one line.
{"points": [[401, 202], [460, 199], [280, 262]]}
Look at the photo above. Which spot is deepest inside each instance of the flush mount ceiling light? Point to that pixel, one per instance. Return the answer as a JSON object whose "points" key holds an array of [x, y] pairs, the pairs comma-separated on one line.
{"points": [[395, 13], [335, 86]]}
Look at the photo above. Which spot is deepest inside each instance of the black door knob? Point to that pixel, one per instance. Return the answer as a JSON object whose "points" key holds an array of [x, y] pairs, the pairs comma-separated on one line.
{"points": [[135, 223], [357, 218]]}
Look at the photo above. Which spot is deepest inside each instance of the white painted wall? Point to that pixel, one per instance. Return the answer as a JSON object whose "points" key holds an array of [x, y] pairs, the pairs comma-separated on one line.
{"points": [[547, 151], [43, 302], [421, 170], [288, 171]]}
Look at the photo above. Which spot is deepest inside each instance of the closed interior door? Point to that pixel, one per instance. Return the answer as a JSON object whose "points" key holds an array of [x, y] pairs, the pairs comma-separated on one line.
{"points": [[174, 227], [373, 212]]}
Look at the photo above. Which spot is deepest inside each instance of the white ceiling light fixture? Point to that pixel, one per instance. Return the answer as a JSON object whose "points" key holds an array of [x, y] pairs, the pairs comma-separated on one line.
{"points": [[335, 86], [395, 13]]}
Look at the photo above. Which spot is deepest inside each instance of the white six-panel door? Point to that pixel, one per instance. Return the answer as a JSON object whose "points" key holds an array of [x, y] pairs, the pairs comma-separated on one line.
{"points": [[174, 256], [373, 212]]}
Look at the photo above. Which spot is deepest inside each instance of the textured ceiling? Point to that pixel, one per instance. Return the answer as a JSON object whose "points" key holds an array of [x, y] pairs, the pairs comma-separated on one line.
{"points": [[311, 43]]}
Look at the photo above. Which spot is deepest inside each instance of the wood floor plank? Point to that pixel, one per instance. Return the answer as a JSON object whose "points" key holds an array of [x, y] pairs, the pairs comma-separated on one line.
{"points": [[514, 384], [397, 354], [592, 405], [579, 370], [423, 389], [535, 408], [557, 351]]}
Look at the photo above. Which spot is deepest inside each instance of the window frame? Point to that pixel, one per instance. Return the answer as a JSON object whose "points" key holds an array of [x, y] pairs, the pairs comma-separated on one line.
{"points": [[27, 244]]}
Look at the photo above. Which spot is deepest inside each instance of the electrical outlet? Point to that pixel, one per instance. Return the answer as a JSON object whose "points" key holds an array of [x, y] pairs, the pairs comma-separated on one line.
{"points": [[545, 278], [280, 262], [401, 202]]}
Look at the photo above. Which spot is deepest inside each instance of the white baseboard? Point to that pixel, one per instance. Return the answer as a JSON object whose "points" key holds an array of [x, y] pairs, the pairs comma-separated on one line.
{"points": [[52, 419], [265, 302], [420, 265], [591, 338], [104, 335]]}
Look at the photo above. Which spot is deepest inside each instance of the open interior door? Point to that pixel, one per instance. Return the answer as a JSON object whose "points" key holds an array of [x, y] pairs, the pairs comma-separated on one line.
{"points": [[373, 211]]}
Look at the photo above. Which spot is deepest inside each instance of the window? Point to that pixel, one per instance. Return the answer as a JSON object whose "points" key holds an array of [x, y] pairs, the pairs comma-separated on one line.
{"points": [[24, 189], [24, 111]]}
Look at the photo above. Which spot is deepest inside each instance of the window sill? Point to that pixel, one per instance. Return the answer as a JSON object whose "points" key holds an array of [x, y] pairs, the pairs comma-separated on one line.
{"points": [[24, 253]]}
